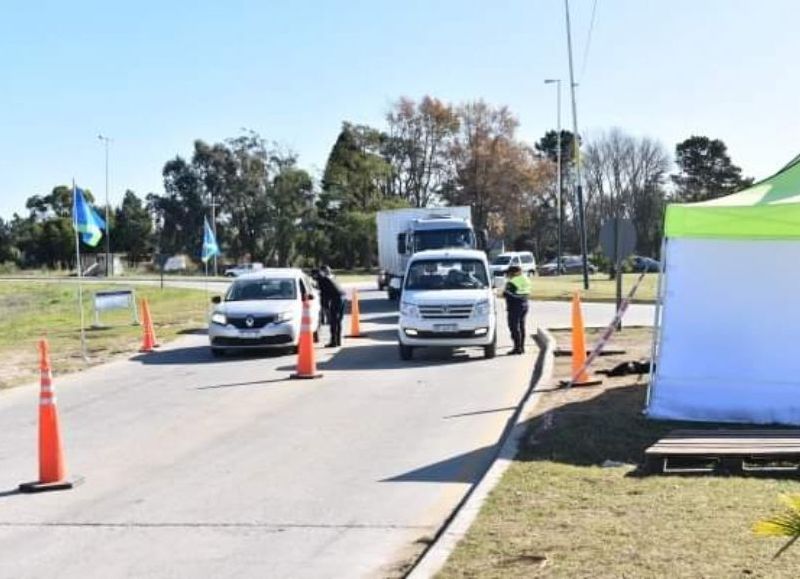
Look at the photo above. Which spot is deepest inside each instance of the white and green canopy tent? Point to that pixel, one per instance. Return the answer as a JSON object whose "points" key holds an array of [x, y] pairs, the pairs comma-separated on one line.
{"points": [[727, 346]]}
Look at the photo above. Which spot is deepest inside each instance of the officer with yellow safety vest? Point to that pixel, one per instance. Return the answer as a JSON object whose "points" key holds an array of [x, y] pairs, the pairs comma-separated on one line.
{"points": [[516, 293]]}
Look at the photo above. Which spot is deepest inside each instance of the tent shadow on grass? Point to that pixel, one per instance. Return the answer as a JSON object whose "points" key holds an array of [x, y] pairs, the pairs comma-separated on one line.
{"points": [[610, 426]]}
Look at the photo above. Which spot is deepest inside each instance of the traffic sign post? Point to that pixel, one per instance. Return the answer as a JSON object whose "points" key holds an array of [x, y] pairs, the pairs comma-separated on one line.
{"points": [[618, 240]]}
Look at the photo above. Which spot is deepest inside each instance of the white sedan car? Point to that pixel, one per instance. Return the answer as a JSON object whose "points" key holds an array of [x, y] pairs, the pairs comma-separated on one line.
{"points": [[262, 310]]}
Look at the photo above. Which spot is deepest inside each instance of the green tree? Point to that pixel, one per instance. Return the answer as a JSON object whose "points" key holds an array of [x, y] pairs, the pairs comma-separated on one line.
{"points": [[705, 170], [133, 228], [290, 199]]}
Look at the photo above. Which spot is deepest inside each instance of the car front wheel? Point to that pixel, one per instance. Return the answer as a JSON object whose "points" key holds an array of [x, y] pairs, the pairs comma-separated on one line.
{"points": [[490, 351], [406, 352]]}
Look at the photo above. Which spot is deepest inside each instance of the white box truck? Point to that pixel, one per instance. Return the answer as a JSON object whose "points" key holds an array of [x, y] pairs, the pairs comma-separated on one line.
{"points": [[403, 232]]}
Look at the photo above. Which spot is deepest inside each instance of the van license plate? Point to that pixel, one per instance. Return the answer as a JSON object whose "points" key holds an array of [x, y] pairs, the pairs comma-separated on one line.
{"points": [[445, 328]]}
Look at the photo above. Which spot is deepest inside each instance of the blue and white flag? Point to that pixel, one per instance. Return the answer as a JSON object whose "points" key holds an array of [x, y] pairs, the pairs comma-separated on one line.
{"points": [[210, 247], [86, 220]]}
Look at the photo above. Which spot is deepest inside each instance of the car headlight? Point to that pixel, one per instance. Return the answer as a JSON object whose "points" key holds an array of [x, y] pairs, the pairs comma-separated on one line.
{"points": [[219, 318], [409, 310], [283, 317], [482, 308]]}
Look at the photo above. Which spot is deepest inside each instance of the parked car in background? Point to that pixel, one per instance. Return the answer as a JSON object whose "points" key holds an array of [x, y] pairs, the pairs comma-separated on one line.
{"points": [[262, 310], [641, 264], [523, 259], [569, 264], [243, 268]]}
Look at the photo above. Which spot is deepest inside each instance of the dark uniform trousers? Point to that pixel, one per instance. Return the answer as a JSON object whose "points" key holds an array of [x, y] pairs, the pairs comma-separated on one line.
{"points": [[335, 313], [517, 312]]}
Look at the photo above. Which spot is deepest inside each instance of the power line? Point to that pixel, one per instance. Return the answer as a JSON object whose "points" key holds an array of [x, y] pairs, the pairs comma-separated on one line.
{"points": [[588, 41]]}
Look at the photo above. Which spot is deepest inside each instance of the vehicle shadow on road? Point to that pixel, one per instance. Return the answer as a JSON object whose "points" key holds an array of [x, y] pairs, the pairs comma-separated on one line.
{"points": [[386, 357], [376, 306], [390, 319], [462, 468], [200, 355]]}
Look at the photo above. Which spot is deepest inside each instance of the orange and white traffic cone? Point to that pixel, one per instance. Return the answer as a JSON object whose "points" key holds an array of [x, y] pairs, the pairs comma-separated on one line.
{"points": [[355, 317], [579, 376], [149, 336], [306, 361], [52, 468]]}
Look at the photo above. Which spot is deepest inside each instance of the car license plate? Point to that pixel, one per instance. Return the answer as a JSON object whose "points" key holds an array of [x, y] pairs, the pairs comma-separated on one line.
{"points": [[248, 333], [445, 328]]}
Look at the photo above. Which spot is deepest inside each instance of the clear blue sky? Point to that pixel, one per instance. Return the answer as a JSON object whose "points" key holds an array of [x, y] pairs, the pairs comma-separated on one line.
{"points": [[157, 75]]}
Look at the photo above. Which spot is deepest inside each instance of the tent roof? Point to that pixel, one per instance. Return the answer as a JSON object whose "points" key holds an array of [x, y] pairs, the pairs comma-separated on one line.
{"points": [[770, 209]]}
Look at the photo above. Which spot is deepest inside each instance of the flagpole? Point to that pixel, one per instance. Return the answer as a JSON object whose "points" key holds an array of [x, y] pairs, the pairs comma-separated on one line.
{"points": [[80, 272]]}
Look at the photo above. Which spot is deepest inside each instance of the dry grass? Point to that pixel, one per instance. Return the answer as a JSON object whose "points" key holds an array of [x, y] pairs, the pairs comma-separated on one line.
{"points": [[559, 513], [29, 311], [600, 287]]}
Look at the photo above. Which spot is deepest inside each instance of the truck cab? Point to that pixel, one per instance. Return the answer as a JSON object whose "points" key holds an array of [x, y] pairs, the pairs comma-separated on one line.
{"points": [[447, 300]]}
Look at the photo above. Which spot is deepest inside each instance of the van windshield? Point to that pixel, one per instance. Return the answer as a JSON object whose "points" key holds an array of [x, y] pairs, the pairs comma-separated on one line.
{"points": [[447, 274], [443, 239], [262, 289]]}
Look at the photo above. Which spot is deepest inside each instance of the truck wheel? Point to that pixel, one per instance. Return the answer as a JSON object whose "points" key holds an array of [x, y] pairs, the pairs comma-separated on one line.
{"points": [[490, 351], [406, 352]]}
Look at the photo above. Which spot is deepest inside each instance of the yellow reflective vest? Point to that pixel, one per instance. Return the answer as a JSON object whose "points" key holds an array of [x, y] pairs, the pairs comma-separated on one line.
{"points": [[520, 286]]}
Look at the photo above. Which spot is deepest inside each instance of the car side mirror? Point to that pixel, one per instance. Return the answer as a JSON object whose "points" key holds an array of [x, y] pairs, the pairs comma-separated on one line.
{"points": [[216, 300]]}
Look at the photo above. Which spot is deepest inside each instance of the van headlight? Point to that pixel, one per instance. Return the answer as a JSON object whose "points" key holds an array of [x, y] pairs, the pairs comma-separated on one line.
{"points": [[482, 308], [409, 310], [219, 318], [283, 317]]}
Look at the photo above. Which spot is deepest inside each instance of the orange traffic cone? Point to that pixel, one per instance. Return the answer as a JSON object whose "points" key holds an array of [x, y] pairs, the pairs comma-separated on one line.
{"points": [[306, 362], [149, 337], [579, 376], [52, 469], [355, 317]]}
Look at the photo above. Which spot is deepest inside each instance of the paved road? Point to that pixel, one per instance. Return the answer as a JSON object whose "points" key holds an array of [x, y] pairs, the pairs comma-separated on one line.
{"points": [[198, 467]]}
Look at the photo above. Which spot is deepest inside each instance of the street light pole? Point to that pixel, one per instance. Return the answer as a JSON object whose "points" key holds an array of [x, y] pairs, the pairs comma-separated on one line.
{"points": [[576, 144], [109, 263], [559, 201]]}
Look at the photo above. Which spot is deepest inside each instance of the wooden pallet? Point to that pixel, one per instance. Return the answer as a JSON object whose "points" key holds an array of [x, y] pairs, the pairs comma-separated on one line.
{"points": [[725, 451]]}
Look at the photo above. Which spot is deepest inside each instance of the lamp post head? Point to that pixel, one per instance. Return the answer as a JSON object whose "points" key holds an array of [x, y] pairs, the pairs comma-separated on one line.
{"points": [[552, 80]]}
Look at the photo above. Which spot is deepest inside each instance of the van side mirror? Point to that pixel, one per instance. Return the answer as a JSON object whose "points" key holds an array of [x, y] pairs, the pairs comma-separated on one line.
{"points": [[401, 243], [216, 300]]}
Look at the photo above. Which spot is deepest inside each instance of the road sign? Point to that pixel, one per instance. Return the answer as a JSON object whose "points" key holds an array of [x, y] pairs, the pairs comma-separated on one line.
{"points": [[619, 244]]}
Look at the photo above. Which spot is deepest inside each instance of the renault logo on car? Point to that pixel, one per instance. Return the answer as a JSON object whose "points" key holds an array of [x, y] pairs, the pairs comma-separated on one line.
{"points": [[249, 321]]}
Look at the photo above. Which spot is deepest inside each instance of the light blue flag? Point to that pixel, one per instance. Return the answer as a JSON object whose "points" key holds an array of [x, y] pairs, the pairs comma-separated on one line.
{"points": [[210, 247], [86, 220]]}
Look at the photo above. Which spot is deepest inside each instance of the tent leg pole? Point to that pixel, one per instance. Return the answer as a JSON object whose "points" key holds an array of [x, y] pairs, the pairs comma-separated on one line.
{"points": [[657, 319]]}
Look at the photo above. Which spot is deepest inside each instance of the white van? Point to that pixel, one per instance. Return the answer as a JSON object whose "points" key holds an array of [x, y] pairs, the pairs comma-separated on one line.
{"points": [[447, 300], [523, 259]]}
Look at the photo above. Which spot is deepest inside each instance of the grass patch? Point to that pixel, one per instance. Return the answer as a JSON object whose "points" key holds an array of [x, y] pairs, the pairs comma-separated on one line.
{"points": [[29, 311], [600, 287], [558, 513]]}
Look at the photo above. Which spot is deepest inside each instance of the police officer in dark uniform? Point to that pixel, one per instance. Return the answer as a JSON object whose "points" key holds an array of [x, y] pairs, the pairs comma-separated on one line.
{"points": [[516, 293], [332, 300]]}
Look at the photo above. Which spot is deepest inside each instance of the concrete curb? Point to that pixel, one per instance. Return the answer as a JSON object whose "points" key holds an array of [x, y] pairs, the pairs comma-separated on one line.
{"points": [[465, 513]]}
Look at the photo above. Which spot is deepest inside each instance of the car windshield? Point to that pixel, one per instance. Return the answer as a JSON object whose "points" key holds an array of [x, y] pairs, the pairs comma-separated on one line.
{"points": [[262, 289], [501, 260], [443, 239], [447, 274]]}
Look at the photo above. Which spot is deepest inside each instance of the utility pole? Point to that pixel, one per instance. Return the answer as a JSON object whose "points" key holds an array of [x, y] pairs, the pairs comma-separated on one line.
{"points": [[576, 143], [559, 200], [109, 263]]}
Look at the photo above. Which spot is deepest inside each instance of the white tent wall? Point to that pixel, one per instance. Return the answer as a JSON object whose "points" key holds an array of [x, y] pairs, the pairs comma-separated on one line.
{"points": [[729, 343]]}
